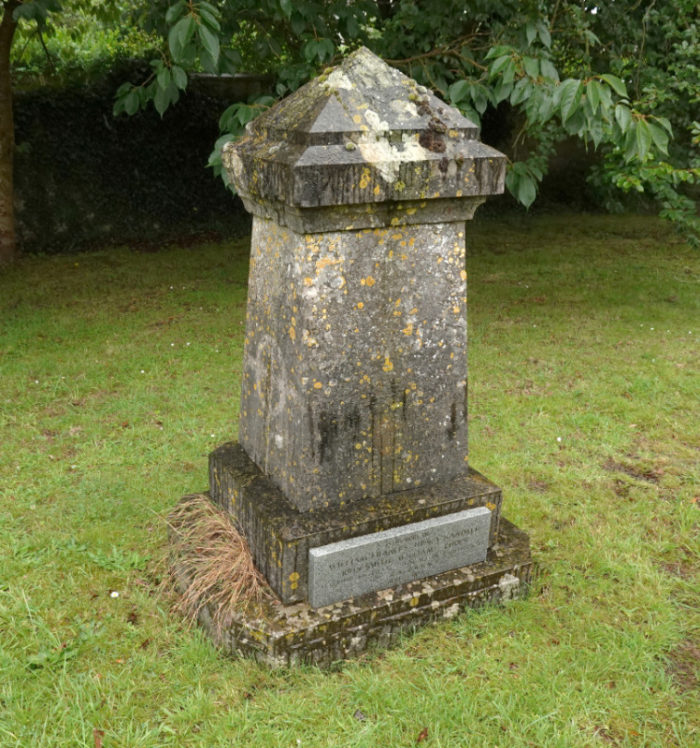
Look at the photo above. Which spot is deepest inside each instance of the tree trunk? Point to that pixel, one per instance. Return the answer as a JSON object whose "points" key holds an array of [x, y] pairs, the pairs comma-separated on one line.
{"points": [[8, 248]]}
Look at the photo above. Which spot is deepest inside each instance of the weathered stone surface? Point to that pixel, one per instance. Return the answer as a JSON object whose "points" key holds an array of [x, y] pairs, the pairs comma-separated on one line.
{"points": [[284, 635], [280, 536], [355, 363], [353, 567], [363, 134]]}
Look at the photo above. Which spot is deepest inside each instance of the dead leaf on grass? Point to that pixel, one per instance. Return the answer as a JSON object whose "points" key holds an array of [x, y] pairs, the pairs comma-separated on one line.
{"points": [[422, 735]]}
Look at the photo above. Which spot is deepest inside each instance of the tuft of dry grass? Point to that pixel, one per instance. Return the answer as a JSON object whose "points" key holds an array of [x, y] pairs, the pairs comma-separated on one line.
{"points": [[211, 564]]}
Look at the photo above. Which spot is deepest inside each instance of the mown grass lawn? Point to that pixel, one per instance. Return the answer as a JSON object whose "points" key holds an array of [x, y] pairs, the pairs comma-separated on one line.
{"points": [[119, 372]]}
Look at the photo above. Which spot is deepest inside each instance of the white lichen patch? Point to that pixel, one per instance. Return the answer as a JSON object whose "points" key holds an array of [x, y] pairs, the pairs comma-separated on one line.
{"points": [[452, 611], [509, 586], [404, 108], [377, 124], [338, 79], [387, 158]]}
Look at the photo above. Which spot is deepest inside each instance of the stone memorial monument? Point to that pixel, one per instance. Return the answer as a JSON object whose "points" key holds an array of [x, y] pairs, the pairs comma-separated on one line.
{"points": [[350, 479]]}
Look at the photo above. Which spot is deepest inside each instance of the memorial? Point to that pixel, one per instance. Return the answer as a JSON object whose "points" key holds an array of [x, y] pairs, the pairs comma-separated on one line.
{"points": [[350, 479]]}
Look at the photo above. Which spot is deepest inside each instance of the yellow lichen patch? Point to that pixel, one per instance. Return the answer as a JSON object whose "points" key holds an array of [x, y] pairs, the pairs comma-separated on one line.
{"points": [[376, 190], [456, 309], [324, 262], [489, 505], [463, 274], [357, 119], [317, 385], [388, 365], [360, 305], [368, 281], [292, 333], [453, 133], [364, 179]]}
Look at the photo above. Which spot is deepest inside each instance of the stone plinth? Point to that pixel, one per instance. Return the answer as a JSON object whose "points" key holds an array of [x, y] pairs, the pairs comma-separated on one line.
{"points": [[280, 536], [284, 635], [352, 453]]}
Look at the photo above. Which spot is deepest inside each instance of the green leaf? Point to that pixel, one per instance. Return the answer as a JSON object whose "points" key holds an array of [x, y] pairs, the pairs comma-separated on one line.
{"points": [[161, 100], [532, 66], [665, 124], [530, 32], [310, 50], [458, 91], [502, 91], [132, 102], [545, 36], [287, 7], [470, 113], [546, 109], [521, 91], [569, 98], [595, 130], [180, 36], [211, 21], [26, 12], [179, 77], [549, 71], [660, 137], [164, 78], [498, 51], [479, 98], [298, 23], [509, 72], [210, 42], [521, 184], [498, 65], [593, 95], [615, 83], [174, 12], [204, 5], [623, 117], [576, 124], [352, 26], [326, 49], [643, 138]]}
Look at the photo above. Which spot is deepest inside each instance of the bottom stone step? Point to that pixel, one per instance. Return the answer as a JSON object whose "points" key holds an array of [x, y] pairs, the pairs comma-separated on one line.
{"points": [[282, 635]]}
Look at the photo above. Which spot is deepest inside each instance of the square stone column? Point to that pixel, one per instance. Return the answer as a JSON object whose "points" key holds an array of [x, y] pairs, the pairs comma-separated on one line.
{"points": [[351, 472], [355, 365]]}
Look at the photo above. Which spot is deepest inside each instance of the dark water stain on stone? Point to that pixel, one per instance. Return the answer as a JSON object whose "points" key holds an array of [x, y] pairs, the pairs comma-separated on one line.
{"points": [[328, 432], [452, 428]]}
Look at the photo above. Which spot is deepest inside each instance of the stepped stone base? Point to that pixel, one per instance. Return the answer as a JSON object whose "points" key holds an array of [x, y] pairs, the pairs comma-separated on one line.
{"points": [[283, 635], [280, 536]]}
